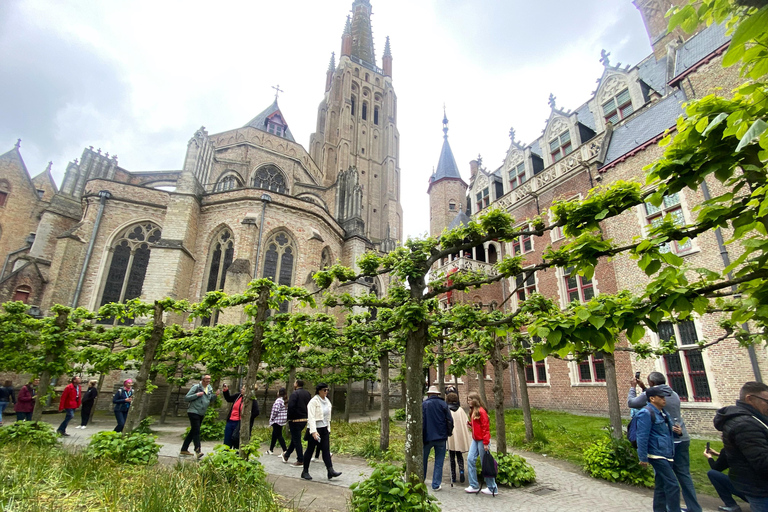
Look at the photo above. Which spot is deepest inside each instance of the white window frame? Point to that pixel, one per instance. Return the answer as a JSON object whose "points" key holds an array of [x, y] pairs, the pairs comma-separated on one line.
{"points": [[563, 148], [514, 175], [661, 365], [521, 242], [647, 218], [618, 108], [513, 286], [485, 198], [557, 233], [535, 367], [564, 295], [575, 374]]}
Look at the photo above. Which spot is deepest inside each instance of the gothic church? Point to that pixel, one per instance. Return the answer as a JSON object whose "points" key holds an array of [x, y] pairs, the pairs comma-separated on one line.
{"points": [[248, 202]]}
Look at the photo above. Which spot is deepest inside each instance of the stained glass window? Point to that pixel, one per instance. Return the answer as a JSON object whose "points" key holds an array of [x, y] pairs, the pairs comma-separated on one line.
{"points": [[271, 178], [222, 253], [278, 262], [227, 183]]}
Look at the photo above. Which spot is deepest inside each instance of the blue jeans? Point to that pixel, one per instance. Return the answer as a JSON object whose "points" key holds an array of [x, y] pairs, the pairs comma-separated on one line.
{"points": [[724, 487], [229, 429], [666, 492], [682, 469], [475, 449], [757, 504], [121, 416], [3, 405], [437, 474], [63, 427]]}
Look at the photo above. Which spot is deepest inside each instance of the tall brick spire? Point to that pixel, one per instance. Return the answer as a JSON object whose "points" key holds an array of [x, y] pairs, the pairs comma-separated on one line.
{"points": [[386, 60], [362, 34]]}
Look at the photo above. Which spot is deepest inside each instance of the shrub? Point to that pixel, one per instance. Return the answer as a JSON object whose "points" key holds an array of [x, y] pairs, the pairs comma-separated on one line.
{"points": [[145, 426], [134, 448], [225, 464], [387, 491], [514, 470], [36, 433], [212, 429], [399, 414], [616, 461]]}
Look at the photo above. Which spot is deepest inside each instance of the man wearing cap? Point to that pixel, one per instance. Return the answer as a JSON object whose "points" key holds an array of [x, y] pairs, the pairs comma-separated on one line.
{"points": [[656, 447], [436, 427]]}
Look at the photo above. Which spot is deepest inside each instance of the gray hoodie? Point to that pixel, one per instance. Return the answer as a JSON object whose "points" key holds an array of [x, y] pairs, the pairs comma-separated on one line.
{"points": [[672, 408]]}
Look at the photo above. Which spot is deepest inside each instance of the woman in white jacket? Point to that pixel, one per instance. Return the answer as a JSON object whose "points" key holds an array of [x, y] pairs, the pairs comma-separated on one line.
{"points": [[319, 430]]}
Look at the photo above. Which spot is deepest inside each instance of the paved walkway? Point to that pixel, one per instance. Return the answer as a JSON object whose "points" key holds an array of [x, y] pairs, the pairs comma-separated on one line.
{"points": [[559, 485]]}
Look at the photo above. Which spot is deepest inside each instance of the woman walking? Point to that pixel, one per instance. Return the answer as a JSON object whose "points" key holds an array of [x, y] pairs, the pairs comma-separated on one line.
{"points": [[89, 398], [481, 444], [232, 428], [122, 400], [6, 397], [460, 441], [319, 430], [277, 419], [25, 403]]}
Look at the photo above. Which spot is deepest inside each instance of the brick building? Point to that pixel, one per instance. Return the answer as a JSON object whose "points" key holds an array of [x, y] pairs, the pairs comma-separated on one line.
{"points": [[248, 202], [610, 137]]}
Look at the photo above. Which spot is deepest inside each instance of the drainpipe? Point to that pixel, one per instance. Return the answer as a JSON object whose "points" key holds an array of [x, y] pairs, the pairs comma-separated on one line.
{"points": [[727, 261], [265, 199], [103, 196]]}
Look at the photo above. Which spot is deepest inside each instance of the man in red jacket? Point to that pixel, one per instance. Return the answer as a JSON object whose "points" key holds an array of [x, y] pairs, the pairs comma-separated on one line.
{"points": [[70, 400]]}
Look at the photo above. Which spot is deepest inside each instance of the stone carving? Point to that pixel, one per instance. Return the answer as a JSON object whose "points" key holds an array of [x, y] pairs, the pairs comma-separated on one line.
{"points": [[467, 264], [349, 202], [612, 85], [557, 126]]}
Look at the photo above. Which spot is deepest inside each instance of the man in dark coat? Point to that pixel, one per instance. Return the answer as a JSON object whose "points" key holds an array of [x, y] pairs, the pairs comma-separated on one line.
{"points": [[745, 439], [297, 422], [436, 427]]}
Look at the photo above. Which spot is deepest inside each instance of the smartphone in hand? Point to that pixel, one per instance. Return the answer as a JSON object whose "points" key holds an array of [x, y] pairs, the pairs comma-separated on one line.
{"points": [[707, 445]]}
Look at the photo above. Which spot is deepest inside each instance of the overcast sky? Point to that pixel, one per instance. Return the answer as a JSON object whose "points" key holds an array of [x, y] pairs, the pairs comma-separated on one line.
{"points": [[136, 79]]}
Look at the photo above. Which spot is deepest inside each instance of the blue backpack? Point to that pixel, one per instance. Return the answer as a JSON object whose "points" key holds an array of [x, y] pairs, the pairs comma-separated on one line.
{"points": [[632, 427]]}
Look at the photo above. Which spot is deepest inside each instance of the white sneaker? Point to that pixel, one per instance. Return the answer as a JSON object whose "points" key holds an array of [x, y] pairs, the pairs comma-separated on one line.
{"points": [[316, 459], [83, 427], [472, 490], [268, 452], [439, 487], [488, 491]]}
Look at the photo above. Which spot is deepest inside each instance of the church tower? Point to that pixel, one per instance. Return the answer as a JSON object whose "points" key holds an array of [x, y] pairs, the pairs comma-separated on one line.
{"points": [[356, 144], [447, 191]]}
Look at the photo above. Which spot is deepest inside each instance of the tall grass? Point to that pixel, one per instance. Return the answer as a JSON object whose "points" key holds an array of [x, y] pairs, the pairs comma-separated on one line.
{"points": [[34, 479]]}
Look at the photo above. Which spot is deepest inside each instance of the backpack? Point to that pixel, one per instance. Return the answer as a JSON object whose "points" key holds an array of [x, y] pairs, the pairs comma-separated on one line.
{"points": [[632, 427]]}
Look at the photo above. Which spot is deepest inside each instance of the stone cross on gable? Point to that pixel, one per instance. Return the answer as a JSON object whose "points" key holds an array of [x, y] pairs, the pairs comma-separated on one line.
{"points": [[551, 101], [512, 134], [278, 90], [604, 58]]}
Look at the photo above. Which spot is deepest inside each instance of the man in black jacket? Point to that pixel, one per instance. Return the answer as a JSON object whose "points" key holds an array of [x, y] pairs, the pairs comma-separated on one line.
{"points": [[297, 422], [436, 427], [745, 439]]}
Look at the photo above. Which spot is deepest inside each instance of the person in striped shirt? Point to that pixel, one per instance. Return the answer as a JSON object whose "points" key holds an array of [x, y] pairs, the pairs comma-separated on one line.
{"points": [[278, 418]]}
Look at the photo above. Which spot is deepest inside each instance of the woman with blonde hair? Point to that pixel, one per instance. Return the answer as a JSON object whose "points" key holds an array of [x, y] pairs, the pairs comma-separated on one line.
{"points": [[89, 398], [481, 443]]}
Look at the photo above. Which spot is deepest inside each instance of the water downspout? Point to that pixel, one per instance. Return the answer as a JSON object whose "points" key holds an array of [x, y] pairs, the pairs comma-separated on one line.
{"points": [[103, 196], [265, 199], [726, 262]]}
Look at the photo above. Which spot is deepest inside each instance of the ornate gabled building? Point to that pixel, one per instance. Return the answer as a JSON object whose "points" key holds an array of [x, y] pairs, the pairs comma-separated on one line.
{"points": [[247, 202], [612, 137]]}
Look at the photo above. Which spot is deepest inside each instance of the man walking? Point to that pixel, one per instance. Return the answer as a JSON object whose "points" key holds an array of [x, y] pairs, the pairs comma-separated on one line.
{"points": [[297, 422], [199, 398], [745, 439], [70, 400], [682, 458], [655, 447], [436, 427]]}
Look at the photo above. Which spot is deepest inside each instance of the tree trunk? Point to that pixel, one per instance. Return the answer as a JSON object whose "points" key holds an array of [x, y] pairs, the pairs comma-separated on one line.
{"points": [[441, 365], [291, 380], [60, 324], [348, 400], [524, 402], [254, 361], [166, 403], [481, 383], [145, 401], [414, 382], [384, 365], [614, 406], [266, 396], [498, 397], [150, 349], [98, 394]]}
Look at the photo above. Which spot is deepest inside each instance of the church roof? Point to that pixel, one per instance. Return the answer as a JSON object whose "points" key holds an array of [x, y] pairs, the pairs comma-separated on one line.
{"points": [[446, 166], [362, 34], [700, 46], [260, 121], [461, 219]]}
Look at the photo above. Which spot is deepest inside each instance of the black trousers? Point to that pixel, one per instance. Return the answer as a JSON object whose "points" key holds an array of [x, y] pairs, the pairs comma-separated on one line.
{"points": [[456, 457], [85, 413], [325, 447], [297, 430], [195, 420], [277, 436]]}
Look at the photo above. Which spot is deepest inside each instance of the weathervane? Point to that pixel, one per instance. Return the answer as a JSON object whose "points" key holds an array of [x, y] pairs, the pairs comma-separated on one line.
{"points": [[278, 90]]}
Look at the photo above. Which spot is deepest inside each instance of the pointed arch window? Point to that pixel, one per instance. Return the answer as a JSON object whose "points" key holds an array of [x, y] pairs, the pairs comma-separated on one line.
{"points": [[221, 255], [128, 265], [326, 259], [365, 111], [354, 101], [279, 262], [376, 115], [227, 183], [5, 190], [269, 177]]}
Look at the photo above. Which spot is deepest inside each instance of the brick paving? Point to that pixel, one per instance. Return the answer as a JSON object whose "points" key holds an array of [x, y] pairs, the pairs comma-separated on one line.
{"points": [[559, 486]]}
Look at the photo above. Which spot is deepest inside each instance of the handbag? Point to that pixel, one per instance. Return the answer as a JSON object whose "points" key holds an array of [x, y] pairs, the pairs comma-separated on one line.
{"points": [[489, 468]]}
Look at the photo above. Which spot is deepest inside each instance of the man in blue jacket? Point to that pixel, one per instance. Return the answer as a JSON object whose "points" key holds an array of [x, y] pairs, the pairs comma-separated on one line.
{"points": [[656, 447], [436, 427]]}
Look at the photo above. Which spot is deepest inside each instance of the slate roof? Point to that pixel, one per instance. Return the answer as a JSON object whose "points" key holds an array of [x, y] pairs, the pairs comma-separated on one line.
{"points": [[536, 148], [645, 125], [585, 116], [654, 73], [260, 121], [446, 166], [461, 219], [699, 46]]}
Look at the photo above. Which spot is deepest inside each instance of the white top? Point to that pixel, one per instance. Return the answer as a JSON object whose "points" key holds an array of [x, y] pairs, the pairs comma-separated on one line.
{"points": [[318, 414]]}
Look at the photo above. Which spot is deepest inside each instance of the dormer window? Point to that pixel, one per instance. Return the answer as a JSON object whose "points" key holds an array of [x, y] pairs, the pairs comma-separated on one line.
{"points": [[275, 129], [483, 199], [618, 107], [560, 146], [517, 176], [452, 206]]}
